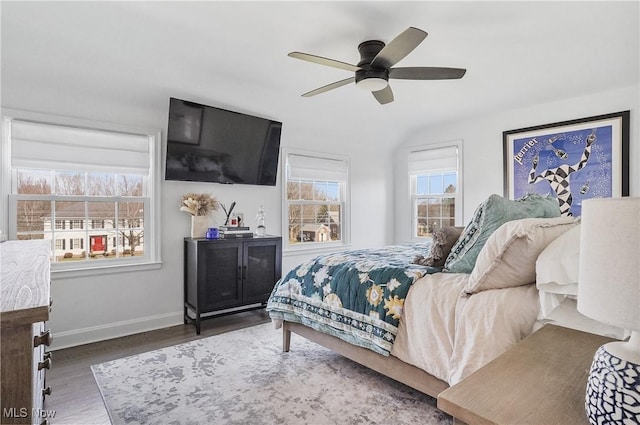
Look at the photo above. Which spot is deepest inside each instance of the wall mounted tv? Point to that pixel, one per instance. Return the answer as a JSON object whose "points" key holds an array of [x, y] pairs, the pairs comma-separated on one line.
{"points": [[210, 144]]}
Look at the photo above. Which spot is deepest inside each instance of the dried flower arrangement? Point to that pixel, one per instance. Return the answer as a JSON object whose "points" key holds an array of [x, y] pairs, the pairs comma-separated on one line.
{"points": [[199, 204]]}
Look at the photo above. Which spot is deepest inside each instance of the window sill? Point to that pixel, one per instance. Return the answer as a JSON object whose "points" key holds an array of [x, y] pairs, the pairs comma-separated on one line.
{"points": [[102, 270], [316, 249]]}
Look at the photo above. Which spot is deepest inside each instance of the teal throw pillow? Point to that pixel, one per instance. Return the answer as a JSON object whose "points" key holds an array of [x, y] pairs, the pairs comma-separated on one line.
{"points": [[488, 216]]}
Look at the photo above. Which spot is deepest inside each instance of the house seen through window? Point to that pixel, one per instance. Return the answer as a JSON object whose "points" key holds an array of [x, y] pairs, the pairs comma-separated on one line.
{"points": [[315, 200], [86, 224]]}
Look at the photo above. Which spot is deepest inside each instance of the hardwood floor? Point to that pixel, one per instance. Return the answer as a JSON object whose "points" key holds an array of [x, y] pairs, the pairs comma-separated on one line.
{"points": [[76, 398]]}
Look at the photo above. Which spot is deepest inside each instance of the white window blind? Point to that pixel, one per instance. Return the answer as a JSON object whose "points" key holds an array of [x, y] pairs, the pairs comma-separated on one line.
{"points": [[44, 146], [432, 160], [301, 167]]}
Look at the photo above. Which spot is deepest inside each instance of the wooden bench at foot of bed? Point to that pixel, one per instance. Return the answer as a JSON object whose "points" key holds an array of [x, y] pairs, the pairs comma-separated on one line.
{"points": [[389, 366]]}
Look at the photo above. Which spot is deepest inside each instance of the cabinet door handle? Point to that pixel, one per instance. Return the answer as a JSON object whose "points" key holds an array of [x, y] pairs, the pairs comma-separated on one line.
{"points": [[244, 272], [45, 338], [45, 364]]}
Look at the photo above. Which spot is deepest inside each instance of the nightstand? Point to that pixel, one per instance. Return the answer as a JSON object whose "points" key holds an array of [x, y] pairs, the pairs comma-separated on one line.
{"points": [[541, 380]]}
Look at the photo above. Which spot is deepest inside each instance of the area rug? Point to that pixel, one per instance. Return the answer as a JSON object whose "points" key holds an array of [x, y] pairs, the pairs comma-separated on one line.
{"points": [[243, 377]]}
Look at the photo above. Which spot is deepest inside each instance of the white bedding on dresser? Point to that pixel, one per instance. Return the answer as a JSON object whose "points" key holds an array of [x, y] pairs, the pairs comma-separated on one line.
{"points": [[458, 334]]}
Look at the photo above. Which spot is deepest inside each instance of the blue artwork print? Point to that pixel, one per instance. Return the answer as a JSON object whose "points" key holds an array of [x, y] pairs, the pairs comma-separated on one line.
{"points": [[570, 166]]}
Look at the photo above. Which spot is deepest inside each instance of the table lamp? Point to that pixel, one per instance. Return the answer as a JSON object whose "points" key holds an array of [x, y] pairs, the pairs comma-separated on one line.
{"points": [[609, 291]]}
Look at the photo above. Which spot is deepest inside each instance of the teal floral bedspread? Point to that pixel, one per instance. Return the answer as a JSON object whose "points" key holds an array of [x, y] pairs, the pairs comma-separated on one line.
{"points": [[355, 295]]}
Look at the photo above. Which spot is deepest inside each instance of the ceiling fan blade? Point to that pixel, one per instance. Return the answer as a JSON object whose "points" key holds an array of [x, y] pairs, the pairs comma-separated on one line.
{"points": [[330, 87], [426, 73], [323, 61], [398, 48], [383, 96]]}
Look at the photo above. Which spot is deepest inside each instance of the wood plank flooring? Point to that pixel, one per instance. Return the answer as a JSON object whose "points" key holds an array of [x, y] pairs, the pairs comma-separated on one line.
{"points": [[76, 398]]}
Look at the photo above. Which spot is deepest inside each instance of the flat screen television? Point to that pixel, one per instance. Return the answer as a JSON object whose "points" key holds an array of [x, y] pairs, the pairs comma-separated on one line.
{"points": [[209, 144]]}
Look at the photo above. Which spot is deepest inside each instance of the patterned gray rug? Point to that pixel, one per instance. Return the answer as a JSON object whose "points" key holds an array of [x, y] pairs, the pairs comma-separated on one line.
{"points": [[243, 377]]}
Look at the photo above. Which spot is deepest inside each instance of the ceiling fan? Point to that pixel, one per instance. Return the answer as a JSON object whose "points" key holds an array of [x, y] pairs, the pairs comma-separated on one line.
{"points": [[375, 67]]}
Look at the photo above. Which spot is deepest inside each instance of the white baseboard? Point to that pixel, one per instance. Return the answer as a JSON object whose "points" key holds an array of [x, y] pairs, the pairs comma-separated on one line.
{"points": [[76, 337]]}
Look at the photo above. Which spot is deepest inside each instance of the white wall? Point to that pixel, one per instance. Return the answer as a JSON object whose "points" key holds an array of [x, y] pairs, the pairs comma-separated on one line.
{"points": [[482, 146]]}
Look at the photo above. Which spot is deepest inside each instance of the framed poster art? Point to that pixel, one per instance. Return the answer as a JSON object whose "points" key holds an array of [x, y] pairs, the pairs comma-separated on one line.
{"points": [[569, 160]]}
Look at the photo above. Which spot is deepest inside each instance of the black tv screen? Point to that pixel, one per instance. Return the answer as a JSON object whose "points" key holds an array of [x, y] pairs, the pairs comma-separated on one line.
{"points": [[210, 144]]}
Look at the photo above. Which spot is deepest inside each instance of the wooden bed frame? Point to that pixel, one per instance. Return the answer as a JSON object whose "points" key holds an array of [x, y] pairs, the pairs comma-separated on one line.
{"points": [[389, 366]]}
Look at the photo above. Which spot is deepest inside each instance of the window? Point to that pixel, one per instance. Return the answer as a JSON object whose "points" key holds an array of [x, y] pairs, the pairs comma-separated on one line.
{"points": [[315, 200], [436, 196], [85, 184], [76, 243]]}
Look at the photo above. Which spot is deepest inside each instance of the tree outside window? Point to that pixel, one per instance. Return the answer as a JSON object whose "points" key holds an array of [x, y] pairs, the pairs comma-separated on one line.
{"points": [[315, 211], [82, 216], [315, 200], [435, 188]]}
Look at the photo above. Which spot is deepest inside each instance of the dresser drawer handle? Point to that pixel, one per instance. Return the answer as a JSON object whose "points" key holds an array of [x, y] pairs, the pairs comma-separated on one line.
{"points": [[45, 338], [46, 391], [46, 364]]}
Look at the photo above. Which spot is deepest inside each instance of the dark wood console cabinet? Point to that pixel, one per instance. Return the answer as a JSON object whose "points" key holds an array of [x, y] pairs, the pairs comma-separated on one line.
{"points": [[228, 275]]}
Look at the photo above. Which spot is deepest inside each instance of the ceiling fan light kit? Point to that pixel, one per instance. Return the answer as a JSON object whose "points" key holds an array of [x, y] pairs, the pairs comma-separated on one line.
{"points": [[372, 83], [374, 69]]}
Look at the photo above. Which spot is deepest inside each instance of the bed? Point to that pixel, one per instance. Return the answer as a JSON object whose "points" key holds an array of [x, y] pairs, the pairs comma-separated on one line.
{"points": [[428, 327]]}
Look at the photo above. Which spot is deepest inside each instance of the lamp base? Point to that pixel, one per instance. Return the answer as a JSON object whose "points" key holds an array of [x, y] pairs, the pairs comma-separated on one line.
{"points": [[613, 389]]}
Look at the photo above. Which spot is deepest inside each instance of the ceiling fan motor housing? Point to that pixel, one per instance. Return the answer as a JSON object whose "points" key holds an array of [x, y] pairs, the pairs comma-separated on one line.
{"points": [[368, 50], [364, 74]]}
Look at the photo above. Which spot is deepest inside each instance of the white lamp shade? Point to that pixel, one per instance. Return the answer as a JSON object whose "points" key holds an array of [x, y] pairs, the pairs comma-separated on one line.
{"points": [[609, 265]]}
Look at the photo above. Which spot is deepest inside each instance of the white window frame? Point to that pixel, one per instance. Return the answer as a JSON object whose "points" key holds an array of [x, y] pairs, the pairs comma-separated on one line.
{"points": [[412, 177], [152, 240], [344, 201]]}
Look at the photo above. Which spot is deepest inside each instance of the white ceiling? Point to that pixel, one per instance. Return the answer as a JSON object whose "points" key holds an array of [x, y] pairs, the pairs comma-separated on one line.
{"points": [[234, 55]]}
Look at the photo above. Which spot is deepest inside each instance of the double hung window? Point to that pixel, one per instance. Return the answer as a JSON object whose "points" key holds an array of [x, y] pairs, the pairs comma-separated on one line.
{"points": [[436, 196], [316, 188], [91, 191]]}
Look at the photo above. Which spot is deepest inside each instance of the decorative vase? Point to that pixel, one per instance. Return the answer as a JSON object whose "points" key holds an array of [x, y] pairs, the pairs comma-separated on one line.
{"points": [[261, 229], [199, 226]]}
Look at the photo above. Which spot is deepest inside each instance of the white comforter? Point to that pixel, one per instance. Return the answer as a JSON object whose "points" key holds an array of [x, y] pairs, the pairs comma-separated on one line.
{"points": [[457, 334]]}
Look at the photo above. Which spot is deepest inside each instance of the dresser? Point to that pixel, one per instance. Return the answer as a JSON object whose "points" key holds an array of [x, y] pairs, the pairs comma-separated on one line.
{"points": [[24, 309]]}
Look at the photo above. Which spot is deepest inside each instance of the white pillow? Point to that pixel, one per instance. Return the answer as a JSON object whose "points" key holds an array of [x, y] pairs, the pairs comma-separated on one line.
{"points": [[557, 271], [557, 265], [567, 315], [509, 256]]}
